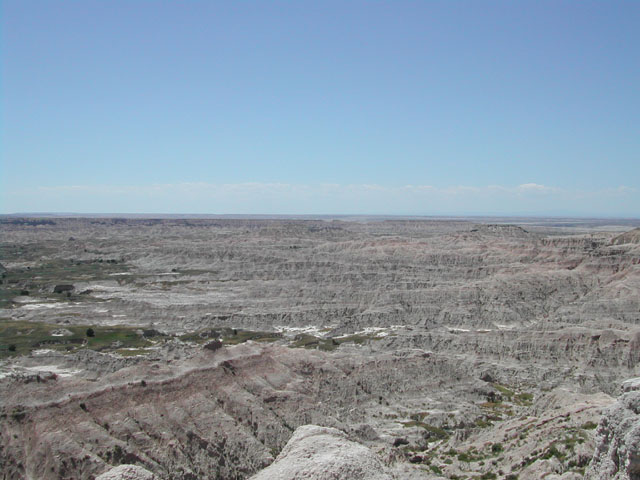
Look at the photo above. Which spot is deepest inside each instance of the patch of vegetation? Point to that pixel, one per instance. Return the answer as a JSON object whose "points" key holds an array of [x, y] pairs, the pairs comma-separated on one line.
{"points": [[488, 476], [18, 413], [310, 341], [242, 336], [589, 425], [25, 251], [230, 336], [524, 399], [471, 455], [504, 390], [497, 408], [201, 336], [497, 448], [435, 469], [67, 271], [464, 457], [20, 338], [574, 438], [305, 340], [483, 423], [436, 432], [420, 416], [6, 295], [553, 451], [42, 277]]}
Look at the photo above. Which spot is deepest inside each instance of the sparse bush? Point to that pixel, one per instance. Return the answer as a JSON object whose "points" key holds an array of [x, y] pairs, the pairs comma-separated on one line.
{"points": [[90, 332], [488, 476], [213, 345], [400, 441], [553, 451], [18, 414], [464, 457]]}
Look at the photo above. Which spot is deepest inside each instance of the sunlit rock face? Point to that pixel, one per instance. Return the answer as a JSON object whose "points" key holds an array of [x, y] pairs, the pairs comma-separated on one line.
{"points": [[127, 472], [321, 453], [617, 454]]}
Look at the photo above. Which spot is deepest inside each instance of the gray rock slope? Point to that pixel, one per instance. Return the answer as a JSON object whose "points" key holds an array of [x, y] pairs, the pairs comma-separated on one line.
{"points": [[617, 455], [127, 472], [322, 453]]}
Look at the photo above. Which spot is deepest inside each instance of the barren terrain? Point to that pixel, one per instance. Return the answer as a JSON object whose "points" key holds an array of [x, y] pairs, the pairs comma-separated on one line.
{"points": [[449, 348]]}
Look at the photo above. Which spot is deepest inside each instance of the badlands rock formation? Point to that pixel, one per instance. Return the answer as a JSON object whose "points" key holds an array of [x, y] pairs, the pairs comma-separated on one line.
{"points": [[321, 453], [196, 348], [617, 454], [127, 472]]}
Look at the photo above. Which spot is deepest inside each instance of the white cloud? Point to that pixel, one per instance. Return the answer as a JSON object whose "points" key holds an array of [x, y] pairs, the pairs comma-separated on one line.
{"points": [[533, 187], [536, 188], [332, 198]]}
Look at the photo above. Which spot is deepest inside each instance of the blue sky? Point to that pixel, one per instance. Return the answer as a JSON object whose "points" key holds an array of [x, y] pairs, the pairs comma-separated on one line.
{"points": [[452, 107]]}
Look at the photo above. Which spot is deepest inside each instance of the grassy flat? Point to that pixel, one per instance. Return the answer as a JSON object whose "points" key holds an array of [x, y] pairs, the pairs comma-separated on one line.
{"points": [[21, 338]]}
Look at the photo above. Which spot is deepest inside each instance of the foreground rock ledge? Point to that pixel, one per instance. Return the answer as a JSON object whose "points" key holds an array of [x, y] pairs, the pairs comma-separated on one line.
{"points": [[127, 472], [322, 453], [617, 455]]}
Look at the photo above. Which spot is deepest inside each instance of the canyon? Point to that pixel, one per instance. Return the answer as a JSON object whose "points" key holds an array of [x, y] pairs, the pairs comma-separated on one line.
{"points": [[220, 348]]}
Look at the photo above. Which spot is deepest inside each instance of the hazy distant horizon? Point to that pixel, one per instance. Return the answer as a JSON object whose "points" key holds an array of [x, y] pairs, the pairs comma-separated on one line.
{"points": [[256, 198], [374, 217]]}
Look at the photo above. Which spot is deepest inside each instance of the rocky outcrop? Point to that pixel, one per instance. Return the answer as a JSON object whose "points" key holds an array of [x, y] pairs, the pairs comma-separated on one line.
{"points": [[617, 454], [127, 472], [501, 230], [218, 415], [63, 288], [321, 453], [632, 236]]}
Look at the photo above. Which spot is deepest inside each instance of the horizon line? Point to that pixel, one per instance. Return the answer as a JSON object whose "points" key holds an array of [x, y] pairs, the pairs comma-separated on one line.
{"points": [[311, 215]]}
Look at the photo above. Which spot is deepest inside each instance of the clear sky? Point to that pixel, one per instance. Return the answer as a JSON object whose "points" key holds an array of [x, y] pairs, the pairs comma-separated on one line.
{"points": [[425, 107]]}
